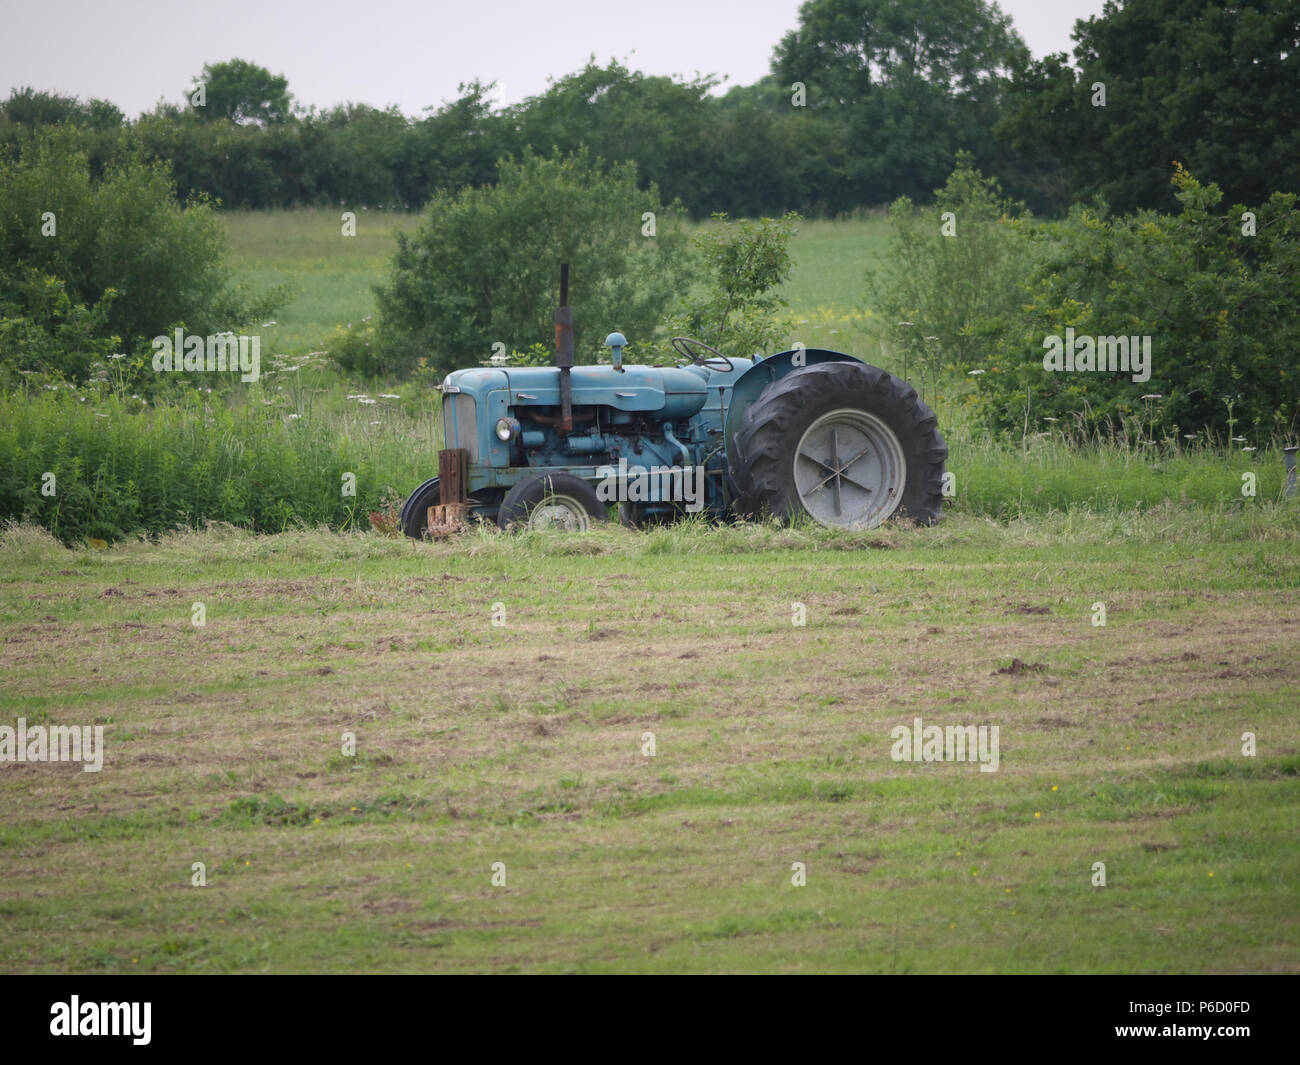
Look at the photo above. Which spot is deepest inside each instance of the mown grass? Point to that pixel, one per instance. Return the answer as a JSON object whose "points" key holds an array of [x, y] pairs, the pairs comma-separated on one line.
{"points": [[522, 743]]}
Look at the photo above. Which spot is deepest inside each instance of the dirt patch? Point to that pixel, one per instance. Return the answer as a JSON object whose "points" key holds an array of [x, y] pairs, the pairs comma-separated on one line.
{"points": [[1017, 668]]}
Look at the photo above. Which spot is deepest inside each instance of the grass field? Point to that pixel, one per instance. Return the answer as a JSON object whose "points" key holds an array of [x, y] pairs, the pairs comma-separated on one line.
{"points": [[502, 693], [523, 743]]}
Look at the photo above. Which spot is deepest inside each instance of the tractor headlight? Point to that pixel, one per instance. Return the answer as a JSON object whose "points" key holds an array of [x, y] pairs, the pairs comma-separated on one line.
{"points": [[507, 429]]}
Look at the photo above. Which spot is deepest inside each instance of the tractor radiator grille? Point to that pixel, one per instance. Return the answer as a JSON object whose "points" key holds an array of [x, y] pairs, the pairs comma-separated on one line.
{"points": [[460, 426]]}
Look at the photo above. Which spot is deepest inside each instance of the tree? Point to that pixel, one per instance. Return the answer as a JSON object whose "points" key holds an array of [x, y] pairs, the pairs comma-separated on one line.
{"points": [[243, 92], [483, 268], [912, 81], [661, 124], [1213, 86]]}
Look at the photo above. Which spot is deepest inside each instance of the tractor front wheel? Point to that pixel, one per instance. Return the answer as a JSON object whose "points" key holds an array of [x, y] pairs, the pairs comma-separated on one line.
{"points": [[844, 443], [552, 501], [415, 511]]}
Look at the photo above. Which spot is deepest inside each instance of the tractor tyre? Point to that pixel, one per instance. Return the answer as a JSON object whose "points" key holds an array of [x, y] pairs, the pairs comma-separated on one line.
{"points": [[635, 516], [415, 511], [844, 443], [552, 500]]}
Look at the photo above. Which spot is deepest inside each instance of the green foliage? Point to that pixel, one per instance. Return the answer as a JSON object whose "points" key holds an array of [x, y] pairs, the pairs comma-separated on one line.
{"points": [[483, 268], [910, 82], [353, 347], [43, 331], [122, 467], [1214, 86], [736, 308], [950, 271], [243, 92], [116, 260], [1222, 308]]}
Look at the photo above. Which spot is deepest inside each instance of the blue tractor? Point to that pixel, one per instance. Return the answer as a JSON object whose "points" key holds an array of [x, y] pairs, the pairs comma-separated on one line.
{"points": [[808, 432]]}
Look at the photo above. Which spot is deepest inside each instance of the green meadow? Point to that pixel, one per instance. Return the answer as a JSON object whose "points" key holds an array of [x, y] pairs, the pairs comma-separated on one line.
{"points": [[622, 752]]}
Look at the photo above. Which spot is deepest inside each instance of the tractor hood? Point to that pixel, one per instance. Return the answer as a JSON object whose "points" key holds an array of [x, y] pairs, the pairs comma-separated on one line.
{"points": [[671, 391]]}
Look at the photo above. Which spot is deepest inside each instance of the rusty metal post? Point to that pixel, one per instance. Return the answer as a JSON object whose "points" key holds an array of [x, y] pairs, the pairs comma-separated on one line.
{"points": [[1289, 454], [564, 351], [453, 465], [452, 514]]}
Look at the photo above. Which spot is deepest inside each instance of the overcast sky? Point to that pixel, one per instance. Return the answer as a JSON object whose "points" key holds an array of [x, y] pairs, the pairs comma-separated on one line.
{"points": [[407, 52]]}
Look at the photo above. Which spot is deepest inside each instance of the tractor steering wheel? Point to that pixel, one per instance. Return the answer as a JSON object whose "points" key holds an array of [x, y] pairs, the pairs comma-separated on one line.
{"points": [[685, 347]]}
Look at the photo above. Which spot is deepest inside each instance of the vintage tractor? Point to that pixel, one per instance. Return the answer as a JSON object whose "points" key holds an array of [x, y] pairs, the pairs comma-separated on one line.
{"points": [[806, 432]]}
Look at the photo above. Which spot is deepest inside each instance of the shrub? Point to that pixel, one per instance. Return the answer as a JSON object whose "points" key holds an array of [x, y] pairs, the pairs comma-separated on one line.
{"points": [[1218, 294], [483, 268], [951, 288], [115, 260], [743, 263]]}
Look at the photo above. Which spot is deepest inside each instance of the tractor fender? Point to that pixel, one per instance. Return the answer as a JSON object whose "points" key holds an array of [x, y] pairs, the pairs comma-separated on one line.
{"points": [[752, 382]]}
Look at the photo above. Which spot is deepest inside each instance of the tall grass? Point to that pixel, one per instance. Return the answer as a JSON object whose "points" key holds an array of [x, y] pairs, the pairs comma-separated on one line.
{"points": [[120, 468], [275, 456]]}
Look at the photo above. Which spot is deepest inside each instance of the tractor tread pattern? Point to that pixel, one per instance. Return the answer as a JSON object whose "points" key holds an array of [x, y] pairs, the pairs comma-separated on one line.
{"points": [[762, 445]]}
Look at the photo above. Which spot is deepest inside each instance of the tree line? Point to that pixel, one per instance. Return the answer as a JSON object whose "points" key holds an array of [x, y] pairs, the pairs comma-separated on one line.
{"points": [[866, 101]]}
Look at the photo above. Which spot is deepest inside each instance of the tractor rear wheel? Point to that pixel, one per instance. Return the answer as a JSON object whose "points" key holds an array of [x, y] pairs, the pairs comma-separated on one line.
{"points": [[844, 443], [552, 501]]}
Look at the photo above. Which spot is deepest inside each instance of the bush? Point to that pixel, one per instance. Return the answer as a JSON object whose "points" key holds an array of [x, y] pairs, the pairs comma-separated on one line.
{"points": [[1219, 297], [115, 260], [353, 348], [483, 268], [938, 294], [744, 262]]}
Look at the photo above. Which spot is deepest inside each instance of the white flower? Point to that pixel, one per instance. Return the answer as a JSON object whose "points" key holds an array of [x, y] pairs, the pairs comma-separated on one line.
{"points": [[973, 373], [1153, 395], [295, 415], [388, 395]]}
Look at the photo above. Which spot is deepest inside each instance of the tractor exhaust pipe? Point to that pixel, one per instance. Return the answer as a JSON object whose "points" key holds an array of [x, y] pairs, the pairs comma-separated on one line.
{"points": [[564, 352]]}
